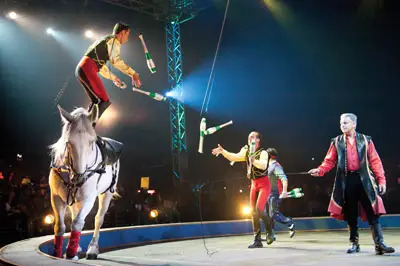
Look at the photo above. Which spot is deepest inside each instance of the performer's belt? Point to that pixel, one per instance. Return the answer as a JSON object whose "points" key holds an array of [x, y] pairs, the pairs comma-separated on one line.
{"points": [[353, 172], [258, 177]]}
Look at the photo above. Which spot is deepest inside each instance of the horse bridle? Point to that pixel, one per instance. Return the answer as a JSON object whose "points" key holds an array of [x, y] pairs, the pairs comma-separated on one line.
{"points": [[72, 183], [69, 165]]}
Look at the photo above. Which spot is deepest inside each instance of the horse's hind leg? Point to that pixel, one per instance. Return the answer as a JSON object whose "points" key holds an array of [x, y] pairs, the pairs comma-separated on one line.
{"points": [[104, 202], [80, 210], [59, 227]]}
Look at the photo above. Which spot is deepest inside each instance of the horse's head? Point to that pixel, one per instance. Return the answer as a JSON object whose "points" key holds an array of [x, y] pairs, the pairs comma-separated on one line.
{"points": [[79, 138]]}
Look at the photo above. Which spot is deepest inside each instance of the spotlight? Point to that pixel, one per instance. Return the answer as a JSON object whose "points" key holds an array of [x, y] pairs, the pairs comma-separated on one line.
{"points": [[19, 157], [50, 31], [49, 219], [246, 210], [153, 213], [240, 191], [12, 15], [172, 94], [89, 34]]}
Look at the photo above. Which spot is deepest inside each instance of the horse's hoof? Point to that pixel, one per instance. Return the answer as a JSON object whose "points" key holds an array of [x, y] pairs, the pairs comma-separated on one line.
{"points": [[91, 256], [75, 258]]}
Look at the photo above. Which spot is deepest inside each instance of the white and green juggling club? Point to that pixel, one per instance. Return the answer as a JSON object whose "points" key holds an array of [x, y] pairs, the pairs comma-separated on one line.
{"points": [[295, 193], [156, 96], [212, 130], [203, 126], [296, 190], [251, 153], [233, 162], [149, 60]]}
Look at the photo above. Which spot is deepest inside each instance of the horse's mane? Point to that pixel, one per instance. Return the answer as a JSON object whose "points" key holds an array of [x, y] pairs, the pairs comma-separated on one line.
{"points": [[57, 149]]}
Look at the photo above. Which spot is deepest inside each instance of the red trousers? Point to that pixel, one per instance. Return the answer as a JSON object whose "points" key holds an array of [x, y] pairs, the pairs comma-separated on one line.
{"points": [[87, 74], [263, 188]]}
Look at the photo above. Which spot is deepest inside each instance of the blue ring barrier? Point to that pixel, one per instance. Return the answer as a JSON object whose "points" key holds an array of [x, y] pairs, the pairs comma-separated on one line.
{"points": [[39, 249]]}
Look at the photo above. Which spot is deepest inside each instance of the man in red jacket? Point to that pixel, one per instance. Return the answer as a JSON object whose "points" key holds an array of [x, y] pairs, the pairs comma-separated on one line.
{"points": [[359, 169]]}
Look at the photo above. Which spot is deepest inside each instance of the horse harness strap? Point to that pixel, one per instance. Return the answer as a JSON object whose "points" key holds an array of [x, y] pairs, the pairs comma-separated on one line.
{"points": [[64, 174], [110, 151]]}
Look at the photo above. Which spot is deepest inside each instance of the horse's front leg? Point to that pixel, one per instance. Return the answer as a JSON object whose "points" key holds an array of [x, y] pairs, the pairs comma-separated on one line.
{"points": [[104, 202], [59, 207], [80, 210]]}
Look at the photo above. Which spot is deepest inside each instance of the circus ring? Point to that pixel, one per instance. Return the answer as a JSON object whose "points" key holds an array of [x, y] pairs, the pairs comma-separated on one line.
{"points": [[318, 241]]}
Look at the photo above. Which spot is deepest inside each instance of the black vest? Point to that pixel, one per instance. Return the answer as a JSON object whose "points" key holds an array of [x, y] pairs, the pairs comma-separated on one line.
{"points": [[98, 51], [366, 175], [256, 172]]}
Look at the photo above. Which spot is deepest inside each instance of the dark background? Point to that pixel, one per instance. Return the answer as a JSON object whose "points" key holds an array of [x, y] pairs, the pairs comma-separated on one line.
{"points": [[285, 68]]}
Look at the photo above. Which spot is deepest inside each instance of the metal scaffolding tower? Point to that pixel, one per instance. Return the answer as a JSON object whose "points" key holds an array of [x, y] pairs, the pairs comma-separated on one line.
{"points": [[176, 105], [173, 13]]}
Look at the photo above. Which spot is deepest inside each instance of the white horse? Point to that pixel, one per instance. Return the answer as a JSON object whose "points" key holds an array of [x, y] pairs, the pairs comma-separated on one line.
{"points": [[79, 174]]}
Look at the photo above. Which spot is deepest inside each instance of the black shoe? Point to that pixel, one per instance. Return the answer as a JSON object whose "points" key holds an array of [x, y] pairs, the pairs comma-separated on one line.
{"points": [[103, 107], [270, 238], [354, 247], [382, 249], [256, 244], [292, 230]]}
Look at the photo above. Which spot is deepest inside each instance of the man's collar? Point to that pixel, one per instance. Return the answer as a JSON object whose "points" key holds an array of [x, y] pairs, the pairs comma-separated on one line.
{"points": [[351, 135]]}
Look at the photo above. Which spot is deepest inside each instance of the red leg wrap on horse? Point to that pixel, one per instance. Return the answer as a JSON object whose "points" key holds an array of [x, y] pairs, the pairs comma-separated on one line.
{"points": [[58, 246], [73, 244]]}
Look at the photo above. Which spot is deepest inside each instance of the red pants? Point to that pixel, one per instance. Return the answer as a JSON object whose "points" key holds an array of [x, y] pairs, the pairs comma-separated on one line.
{"points": [[86, 73], [263, 187]]}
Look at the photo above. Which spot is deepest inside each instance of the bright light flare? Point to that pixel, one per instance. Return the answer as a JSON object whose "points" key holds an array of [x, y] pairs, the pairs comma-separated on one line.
{"points": [[12, 15], [50, 31], [246, 210], [49, 219], [280, 11], [151, 191], [153, 213], [89, 34], [172, 94]]}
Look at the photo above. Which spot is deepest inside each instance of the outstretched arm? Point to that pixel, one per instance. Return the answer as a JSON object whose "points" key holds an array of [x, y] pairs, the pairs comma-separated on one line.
{"points": [[106, 73], [328, 163], [114, 50], [233, 157]]}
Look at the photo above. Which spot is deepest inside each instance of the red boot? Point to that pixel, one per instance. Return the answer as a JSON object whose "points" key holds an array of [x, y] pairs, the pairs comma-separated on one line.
{"points": [[73, 244], [58, 246]]}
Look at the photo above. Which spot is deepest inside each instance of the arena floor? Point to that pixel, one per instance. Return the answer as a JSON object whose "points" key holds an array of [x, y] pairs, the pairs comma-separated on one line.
{"points": [[306, 248]]}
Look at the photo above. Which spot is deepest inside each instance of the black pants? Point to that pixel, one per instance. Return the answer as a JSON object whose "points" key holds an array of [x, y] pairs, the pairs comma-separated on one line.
{"points": [[354, 193]]}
